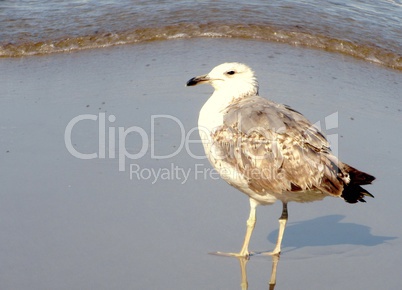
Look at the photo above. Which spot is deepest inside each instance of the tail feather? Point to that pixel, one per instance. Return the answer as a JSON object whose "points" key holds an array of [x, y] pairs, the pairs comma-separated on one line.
{"points": [[358, 177], [353, 192]]}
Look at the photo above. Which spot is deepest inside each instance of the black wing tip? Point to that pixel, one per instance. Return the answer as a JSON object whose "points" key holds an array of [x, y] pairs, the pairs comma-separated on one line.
{"points": [[355, 193], [368, 178]]}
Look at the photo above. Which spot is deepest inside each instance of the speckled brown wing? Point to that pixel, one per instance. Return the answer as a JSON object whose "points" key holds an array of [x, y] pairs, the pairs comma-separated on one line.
{"points": [[277, 149]]}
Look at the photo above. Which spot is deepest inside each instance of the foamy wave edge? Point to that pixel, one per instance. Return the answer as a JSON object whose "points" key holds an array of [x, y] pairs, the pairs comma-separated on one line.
{"points": [[293, 36]]}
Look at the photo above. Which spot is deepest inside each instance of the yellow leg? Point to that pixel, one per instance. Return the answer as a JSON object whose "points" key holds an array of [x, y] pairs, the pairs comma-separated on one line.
{"points": [[282, 225], [252, 219], [250, 227], [244, 252]]}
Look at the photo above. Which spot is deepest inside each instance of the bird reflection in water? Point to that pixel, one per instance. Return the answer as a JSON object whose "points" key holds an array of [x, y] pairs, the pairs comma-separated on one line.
{"points": [[243, 270]]}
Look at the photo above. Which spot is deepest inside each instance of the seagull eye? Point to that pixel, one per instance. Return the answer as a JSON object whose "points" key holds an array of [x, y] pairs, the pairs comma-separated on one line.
{"points": [[231, 72]]}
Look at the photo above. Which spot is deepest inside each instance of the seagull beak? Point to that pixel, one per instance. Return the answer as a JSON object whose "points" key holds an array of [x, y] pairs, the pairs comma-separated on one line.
{"points": [[198, 80]]}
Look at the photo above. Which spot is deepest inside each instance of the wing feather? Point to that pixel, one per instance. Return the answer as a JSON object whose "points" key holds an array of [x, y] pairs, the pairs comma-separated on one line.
{"points": [[275, 148]]}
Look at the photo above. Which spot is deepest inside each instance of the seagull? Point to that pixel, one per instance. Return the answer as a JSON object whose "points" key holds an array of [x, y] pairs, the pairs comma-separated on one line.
{"points": [[267, 150]]}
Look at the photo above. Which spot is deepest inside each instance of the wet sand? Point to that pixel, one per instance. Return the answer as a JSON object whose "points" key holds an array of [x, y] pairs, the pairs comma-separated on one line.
{"points": [[77, 212]]}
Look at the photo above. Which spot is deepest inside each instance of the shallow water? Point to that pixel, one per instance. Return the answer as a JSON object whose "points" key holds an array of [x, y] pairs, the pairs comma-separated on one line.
{"points": [[369, 29], [69, 223]]}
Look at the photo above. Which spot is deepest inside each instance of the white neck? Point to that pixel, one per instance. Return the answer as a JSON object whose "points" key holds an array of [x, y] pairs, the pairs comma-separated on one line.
{"points": [[211, 114], [211, 117]]}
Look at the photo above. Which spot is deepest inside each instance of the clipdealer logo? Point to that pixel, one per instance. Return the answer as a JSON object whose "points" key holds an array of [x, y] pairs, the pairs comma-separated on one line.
{"points": [[112, 145]]}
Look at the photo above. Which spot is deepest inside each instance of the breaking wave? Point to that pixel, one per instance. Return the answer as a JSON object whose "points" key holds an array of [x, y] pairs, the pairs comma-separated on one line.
{"points": [[296, 35]]}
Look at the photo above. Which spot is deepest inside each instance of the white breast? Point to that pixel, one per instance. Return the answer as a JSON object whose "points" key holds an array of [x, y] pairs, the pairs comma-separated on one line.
{"points": [[211, 115]]}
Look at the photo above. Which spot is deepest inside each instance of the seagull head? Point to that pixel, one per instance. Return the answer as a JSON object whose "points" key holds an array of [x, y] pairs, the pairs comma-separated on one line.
{"points": [[233, 78]]}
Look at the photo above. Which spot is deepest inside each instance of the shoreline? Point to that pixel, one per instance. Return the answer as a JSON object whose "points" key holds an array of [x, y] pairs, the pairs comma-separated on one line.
{"points": [[370, 53]]}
